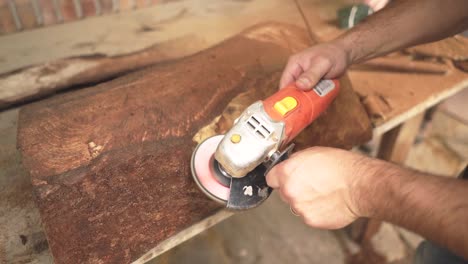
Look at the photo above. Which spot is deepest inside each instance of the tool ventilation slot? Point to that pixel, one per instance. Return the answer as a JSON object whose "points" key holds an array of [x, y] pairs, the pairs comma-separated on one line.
{"points": [[259, 129]]}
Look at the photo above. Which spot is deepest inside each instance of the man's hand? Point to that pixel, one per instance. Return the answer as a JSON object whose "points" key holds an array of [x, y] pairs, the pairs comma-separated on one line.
{"points": [[306, 68], [322, 185], [399, 25], [330, 188]]}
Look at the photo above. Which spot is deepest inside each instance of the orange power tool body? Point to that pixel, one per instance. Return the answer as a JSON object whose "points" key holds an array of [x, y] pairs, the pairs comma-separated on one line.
{"points": [[231, 168]]}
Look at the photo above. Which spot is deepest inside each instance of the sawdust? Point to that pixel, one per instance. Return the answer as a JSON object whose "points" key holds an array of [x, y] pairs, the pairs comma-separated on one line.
{"points": [[94, 149], [207, 131]]}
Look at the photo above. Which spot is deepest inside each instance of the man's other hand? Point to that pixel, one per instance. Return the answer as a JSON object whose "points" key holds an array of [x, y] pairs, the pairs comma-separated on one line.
{"points": [[306, 68]]}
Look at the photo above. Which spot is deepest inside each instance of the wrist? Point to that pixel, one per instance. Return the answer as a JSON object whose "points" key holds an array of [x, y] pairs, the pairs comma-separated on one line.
{"points": [[372, 186], [345, 45]]}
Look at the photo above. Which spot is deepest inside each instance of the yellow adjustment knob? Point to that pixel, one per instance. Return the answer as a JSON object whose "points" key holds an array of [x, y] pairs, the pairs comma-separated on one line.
{"points": [[235, 138], [285, 105]]}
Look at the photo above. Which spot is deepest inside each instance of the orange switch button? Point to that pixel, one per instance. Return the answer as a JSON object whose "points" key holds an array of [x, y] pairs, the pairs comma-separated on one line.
{"points": [[285, 105]]}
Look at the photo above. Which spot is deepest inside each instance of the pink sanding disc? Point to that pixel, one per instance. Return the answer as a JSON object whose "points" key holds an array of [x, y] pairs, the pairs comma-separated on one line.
{"points": [[203, 173]]}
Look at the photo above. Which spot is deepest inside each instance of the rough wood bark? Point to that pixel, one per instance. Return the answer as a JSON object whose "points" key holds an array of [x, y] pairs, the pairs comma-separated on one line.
{"points": [[94, 50], [47, 78], [396, 143], [110, 164], [198, 26]]}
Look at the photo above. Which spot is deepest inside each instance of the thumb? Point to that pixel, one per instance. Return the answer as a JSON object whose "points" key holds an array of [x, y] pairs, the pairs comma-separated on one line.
{"points": [[308, 79]]}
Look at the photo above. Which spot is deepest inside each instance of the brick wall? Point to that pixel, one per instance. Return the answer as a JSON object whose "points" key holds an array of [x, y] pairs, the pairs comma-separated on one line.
{"points": [[16, 15]]}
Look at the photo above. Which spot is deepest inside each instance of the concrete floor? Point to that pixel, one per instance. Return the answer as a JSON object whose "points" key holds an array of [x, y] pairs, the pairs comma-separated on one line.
{"points": [[22, 239], [268, 234]]}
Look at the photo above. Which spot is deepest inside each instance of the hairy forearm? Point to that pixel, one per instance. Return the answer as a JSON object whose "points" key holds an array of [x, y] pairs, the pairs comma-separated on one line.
{"points": [[435, 207], [404, 23]]}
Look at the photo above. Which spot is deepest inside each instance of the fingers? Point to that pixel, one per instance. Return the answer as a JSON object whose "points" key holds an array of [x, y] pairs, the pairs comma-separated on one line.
{"points": [[376, 5], [305, 71], [280, 178], [282, 196], [306, 68], [296, 207], [319, 67], [273, 178], [290, 73], [289, 188], [289, 169], [281, 172]]}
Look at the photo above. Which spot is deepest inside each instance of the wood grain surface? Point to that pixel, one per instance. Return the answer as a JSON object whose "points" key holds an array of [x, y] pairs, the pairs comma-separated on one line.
{"points": [[110, 164]]}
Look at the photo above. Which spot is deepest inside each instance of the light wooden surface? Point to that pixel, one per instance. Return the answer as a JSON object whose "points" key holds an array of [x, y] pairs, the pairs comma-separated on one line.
{"points": [[96, 49], [203, 22]]}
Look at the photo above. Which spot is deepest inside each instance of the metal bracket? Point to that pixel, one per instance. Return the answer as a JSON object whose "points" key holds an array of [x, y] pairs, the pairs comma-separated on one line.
{"points": [[252, 190]]}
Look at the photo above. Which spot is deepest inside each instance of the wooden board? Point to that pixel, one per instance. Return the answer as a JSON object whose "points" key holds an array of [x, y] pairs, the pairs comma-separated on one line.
{"points": [[393, 93], [110, 163], [455, 48]]}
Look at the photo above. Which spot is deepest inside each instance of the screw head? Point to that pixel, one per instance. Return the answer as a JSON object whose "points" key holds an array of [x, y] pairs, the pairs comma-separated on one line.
{"points": [[236, 138]]}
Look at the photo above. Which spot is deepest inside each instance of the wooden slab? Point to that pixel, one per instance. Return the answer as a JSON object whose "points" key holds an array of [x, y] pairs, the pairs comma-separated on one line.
{"points": [[110, 164]]}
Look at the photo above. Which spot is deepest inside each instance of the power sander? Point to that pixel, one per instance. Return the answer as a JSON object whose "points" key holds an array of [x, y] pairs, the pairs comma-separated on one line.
{"points": [[231, 168]]}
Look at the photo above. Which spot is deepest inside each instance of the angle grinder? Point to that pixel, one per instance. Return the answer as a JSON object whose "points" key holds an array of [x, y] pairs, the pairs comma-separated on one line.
{"points": [[231, 168]]}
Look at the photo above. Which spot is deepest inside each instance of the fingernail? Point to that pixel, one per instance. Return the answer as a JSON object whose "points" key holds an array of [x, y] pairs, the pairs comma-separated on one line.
{"points": [[303, 83]]}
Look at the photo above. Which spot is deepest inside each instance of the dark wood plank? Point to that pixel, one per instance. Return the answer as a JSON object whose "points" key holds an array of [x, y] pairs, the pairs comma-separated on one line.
{"points": [[396, 143], [110, 164]]}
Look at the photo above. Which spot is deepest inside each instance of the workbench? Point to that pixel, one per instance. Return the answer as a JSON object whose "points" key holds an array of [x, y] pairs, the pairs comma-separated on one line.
{"points": [[395, 116]]}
